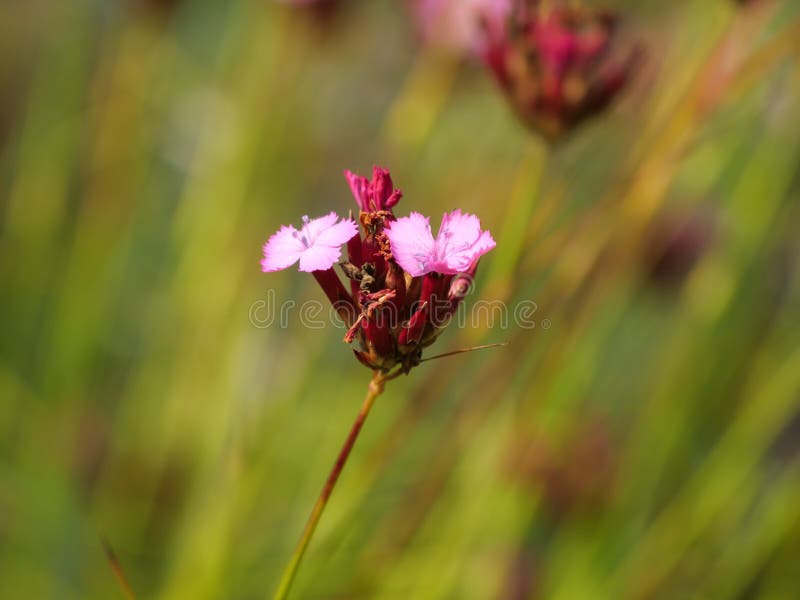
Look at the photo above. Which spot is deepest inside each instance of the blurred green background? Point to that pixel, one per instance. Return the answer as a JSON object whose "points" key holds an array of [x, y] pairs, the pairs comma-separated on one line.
{"points": [[642, 441]]}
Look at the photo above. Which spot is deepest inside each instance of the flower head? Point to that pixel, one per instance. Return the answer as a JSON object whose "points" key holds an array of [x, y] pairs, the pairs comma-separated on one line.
{"points": [[457, 247], [558, 65], [317, 244], [404, 285], [408, 285]]}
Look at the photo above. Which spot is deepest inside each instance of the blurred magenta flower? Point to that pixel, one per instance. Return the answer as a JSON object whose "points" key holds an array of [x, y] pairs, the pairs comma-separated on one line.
{"points": [[458, 245], [558, 65], [462, 26]]}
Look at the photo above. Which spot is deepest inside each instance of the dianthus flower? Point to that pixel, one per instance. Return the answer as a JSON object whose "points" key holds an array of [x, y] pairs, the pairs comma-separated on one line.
{"points": [[405, 286], [457, 247], [317, 245], [558, 65]]}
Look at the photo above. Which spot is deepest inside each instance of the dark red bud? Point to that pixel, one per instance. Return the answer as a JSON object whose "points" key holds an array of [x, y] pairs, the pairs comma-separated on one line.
{"points": [[430, 283], [332, 286], [354, 247], [354, 251], [412, 334], [382, 187], [378, 334], [392, 200], [360, 188], [459, 288]]}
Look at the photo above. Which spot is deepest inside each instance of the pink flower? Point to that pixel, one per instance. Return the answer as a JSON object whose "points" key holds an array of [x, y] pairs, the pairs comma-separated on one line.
{"points": [[456, 249], [405, 286], [317, 245]]}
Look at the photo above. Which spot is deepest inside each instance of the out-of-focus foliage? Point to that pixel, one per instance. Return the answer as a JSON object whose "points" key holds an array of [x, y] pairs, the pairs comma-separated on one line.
{"points": [[641, 441]]}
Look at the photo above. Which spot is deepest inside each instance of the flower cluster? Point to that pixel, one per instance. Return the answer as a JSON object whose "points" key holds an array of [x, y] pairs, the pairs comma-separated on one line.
{"points": [[405, 284], [557, 64]]}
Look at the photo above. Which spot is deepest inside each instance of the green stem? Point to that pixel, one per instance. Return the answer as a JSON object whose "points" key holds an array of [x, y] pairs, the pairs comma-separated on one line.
{"points": [[373, 391], [116, 567]]}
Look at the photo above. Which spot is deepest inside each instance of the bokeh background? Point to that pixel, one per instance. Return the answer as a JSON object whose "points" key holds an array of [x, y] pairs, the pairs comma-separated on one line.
{"points": [[642, 441]]}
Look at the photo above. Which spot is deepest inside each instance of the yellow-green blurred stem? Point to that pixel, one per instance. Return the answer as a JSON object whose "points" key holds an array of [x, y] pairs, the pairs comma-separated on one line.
{"points": [[373, 391]]}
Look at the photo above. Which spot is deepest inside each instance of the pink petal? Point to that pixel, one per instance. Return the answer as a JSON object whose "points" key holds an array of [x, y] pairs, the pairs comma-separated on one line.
{"points": [[319, 258], [316, 245], [312, 228], [337, 234], [412, 243], [282, 250], [457, 228], [460, 243]]}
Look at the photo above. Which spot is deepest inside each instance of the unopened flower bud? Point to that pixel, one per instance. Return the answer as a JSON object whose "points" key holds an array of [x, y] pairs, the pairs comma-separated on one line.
{"points": [[459, 288], [412, 333], [381, 186], [559, 66]]}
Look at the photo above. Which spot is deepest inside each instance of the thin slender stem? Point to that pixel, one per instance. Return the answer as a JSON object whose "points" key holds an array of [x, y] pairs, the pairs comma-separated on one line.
{"points": [[116, 567], [464, 350], [374, 390]]}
